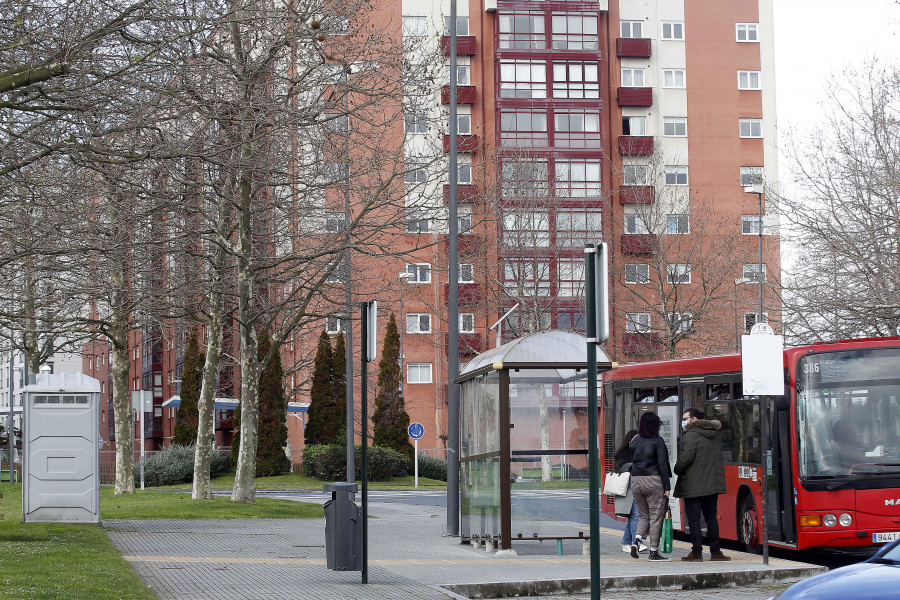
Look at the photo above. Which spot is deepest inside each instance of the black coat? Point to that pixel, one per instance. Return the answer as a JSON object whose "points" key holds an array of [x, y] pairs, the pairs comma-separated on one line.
{"points": [[651, 457], [700, 467]]}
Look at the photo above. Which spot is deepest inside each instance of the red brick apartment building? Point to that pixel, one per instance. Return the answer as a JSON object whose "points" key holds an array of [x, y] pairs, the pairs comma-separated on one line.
{"points": [[634, 122]]}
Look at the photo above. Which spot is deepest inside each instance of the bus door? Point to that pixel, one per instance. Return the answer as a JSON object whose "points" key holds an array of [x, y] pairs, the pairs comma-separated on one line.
{"points": [[782, 526]]}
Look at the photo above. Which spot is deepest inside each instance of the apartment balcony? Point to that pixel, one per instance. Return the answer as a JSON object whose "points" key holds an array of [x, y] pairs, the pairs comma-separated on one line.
{"points": [[470, 294], [636, 243], [465, 193], [465, 45], [635, 96], [641, 344], [465, 94], [464, 143], [470, 344], [225, 425], [633, 48], [637, 194], [635, 145]]}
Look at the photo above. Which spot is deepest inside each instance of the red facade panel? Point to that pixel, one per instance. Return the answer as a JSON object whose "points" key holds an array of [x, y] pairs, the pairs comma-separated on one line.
{"points": [[633, 48], [633, 145], [637, 194], [470, 344], [464, 143], [469, 293], [465, 193], [641, 344], [465, 45], [637, 243], [632, 96], [465, 94]]}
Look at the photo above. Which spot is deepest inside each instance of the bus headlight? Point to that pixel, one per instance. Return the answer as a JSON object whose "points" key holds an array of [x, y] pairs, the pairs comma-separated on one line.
{"points": [[845, 519], [829, 520]]}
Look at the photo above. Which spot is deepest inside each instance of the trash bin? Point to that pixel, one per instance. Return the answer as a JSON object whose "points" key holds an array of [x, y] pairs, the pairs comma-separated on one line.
{"points": [[343, 528]]}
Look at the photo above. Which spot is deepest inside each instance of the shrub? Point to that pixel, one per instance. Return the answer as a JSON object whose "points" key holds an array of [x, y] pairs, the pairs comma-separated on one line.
{"points": [[432, 468], [329, 463], [175, 464]]}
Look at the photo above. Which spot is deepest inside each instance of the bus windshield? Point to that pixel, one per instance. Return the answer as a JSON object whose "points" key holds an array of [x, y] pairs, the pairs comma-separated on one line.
{"points": [[848, 411]]}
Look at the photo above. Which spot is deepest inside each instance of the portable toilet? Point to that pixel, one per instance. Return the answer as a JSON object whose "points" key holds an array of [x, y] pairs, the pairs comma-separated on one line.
{"points": [[61, 449]]}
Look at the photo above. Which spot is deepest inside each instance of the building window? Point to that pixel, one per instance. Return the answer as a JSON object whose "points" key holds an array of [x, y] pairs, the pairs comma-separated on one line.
{"points": [[673, 78], [637, 273], [334, 222], [418, 272], [466, 273], [750, 224], [752, 318], [463, 75], [523, 79], [336, 274], [637, 322], [418, 373], [678, 224], [681, 322], [526, 178], [635, 224], [527, 277], [675, 126], [414, 26], [463, 124], [418, 323], [747, 32], [525, 228], [462, 25], [634, 126], [415, 174], [417, 221], [751, 176], [570, 321], [634, 175], [676, 175], [464, 174], [336, 123], [467, 322], [673, 30], [523, 128], [632, 29], [415, 122], [577, 129], [751, 273], [751, 128], [575, 32], [577, 178], [632, 77], [522, 31], [678, 274], [570, 272], [576, 80], [576, 227], [464, 220], [333, 324], [749, 80]]}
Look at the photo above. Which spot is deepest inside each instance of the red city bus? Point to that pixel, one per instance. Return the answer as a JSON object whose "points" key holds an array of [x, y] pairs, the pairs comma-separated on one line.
{"points": [[833, 449]]}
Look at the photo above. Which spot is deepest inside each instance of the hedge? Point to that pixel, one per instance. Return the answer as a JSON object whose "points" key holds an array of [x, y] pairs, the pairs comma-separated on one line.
{"points": [[329, 463], [175, 464]]}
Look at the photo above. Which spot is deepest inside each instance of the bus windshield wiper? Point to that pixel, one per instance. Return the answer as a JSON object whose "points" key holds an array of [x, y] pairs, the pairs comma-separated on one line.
{"points": [[856, 477]]}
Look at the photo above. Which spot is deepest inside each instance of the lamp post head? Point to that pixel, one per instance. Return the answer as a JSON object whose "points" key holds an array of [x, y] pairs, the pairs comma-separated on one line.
{"points": [[405, 275], [756, 188]]}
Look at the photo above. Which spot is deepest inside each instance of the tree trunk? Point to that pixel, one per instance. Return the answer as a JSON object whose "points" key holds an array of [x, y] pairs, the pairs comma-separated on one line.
{"points": [[121, 392], [202, 489], [546, 465], [31, 343]]}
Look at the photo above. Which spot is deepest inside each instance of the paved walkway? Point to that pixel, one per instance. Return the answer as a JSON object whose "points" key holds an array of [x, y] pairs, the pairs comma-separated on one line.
{"points": [[409, 558]]}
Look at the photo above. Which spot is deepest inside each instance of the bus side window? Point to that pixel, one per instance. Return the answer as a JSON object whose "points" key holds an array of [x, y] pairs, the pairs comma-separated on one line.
{"points": [[668, 394], [644, 395], [718, 392], [722, 412]]}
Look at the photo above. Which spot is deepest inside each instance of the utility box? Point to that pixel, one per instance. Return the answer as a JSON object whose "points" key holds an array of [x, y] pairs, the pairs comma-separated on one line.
{"points": [[343, 528], [61, 482]]}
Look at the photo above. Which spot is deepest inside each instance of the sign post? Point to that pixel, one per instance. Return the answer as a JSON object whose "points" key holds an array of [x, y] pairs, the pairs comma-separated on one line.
{"points": [[416, 430], [762, 372], [368, 347]]}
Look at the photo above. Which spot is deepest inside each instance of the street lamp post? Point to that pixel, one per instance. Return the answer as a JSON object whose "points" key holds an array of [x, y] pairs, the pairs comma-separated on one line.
{"points": [[402, 325], [757, 188], [737, 335]]}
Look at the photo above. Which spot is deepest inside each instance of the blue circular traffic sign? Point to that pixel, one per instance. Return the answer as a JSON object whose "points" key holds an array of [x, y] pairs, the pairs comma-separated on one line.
{"points": [[416, 430]]}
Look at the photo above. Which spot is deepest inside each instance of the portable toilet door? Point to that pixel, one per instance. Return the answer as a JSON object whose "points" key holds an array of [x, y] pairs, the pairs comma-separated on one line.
{"points": [[61, 482]]}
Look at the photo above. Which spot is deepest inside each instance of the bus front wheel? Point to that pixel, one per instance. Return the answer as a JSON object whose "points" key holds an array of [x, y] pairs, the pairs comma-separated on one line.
{"points": [[748, 529]]}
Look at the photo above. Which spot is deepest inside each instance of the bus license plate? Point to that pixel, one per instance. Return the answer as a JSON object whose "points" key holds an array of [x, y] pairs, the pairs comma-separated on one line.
{"points": [[881, 538]]}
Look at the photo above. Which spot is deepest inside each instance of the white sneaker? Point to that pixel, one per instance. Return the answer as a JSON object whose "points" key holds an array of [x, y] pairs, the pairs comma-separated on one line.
{"points": [[642, 548], [626, 547]]}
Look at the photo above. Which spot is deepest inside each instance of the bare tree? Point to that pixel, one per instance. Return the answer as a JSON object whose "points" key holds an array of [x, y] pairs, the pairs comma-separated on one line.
{"points": [[843, 223]]}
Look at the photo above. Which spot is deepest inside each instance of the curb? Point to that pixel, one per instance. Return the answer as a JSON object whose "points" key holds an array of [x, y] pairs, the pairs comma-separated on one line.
{"points": [[671, 581]]}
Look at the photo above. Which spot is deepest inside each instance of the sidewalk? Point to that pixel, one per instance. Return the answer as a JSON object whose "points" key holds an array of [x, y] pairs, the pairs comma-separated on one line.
{"points": [[409, 558]]}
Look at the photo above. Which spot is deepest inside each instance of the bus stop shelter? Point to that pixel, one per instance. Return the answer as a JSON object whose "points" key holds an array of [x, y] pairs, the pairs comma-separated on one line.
{"points": [[523, 432]]}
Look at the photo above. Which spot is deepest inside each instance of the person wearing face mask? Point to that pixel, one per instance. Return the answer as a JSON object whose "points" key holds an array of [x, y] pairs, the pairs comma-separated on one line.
{"points": [[701, 478]]}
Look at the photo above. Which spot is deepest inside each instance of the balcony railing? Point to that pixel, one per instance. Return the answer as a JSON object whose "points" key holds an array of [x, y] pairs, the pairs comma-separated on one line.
{"points": [[633, 48], [637, 194], [633, 243], [464, 143], [465, 45], [635, 145], [635, 96], [465, 94]]}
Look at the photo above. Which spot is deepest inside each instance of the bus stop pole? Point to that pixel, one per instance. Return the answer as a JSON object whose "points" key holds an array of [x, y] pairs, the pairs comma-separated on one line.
{"points": [[593, 428], [766, 459]]}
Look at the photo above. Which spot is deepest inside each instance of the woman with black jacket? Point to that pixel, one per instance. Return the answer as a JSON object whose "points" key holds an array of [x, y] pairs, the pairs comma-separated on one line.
{"points": [[625, 505], [650, 485]]}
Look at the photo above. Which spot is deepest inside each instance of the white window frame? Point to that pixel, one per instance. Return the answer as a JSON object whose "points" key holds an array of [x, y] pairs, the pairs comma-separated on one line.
{"points": [[751, 176], [674, 75], [419, 369], [748, 30], [627, 29], [632, 121], [633, 77], [639, 275], [463, 75], [336, 276], [418, 323], [463, 270], [674, 224], [676, 175], [637, 322], [683, 322], [745, 80], [334, 222], [421, 218], [671, 125], [467, 322], [746, 125], [465, 220], [415, 123], [462, 25], [463, 124], [334, 324], [570, 277], [750, 224], [750, 272], [678, 274], [635, 224], [414, 25], [634, 175], [674, 27], [420, 272], [464, 174]]}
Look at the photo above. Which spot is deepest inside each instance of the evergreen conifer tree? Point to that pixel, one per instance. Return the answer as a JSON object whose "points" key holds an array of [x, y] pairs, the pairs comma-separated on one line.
{"points": [[339, 384], [273, 432], [390, 420], [191, 380], [323, 422]]}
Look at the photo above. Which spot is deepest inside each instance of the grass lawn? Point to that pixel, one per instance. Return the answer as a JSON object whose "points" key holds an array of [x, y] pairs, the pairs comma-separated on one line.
{"points": [[78, 562], [298, 481]]}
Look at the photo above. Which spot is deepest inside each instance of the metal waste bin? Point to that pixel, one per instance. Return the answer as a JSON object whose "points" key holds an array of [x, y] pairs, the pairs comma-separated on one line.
{"points": [[343, 528]]}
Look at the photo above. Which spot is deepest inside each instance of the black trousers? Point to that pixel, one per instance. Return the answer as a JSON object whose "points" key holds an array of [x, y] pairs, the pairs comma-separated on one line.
{"points": [[705, 505]]}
